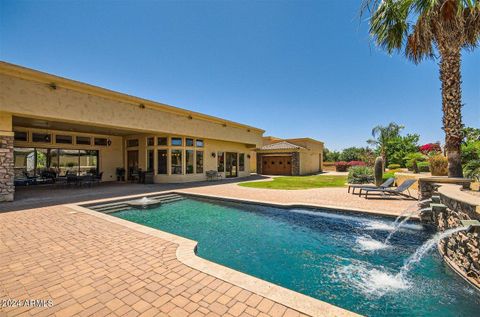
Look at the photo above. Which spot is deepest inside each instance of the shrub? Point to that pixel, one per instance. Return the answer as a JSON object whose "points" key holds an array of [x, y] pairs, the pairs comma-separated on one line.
{"points": [[472, 170], [413, 158], [360, 175], [393, 166], [341, 166], [356, 163], [389, 174], [438, 165], [423, 166]]}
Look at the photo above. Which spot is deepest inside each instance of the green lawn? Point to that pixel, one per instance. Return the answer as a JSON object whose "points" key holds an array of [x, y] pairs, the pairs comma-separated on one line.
{"points": [[299, 182]]}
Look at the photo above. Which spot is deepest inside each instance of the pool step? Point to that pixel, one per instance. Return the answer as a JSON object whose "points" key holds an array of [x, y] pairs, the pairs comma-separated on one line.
{"points": [[109, 207], [120, 206], [170, 199]]}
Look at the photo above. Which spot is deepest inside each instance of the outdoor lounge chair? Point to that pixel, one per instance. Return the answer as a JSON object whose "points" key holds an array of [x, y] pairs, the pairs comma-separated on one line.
{"points": [[385, 184], [400, 190]]}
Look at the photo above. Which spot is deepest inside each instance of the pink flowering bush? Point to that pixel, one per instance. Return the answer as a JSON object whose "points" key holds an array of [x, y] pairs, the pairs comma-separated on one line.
{"points": [[430, 148], [356, 163], [341, 166]]}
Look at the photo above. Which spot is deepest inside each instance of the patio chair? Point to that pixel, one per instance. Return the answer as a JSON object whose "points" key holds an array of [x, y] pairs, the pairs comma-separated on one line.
{"points": [[385, 184], [399, 191], [213, 175], [72, 179], [98, 178], [86, 180]]}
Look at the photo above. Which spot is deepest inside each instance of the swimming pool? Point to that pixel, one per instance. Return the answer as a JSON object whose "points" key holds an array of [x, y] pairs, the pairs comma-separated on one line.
{"points": [[338, 258]]}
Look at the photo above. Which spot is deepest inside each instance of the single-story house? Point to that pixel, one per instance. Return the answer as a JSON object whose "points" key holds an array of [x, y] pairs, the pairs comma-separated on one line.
{"points": [[301, 156], [50, 124]]}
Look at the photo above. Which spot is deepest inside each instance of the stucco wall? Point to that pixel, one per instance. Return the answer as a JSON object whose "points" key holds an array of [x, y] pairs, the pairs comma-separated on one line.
{"points": [[36, 99], [310, 162]]}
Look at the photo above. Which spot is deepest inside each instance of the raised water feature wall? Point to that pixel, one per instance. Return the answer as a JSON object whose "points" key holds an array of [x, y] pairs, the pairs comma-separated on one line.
{"points": [[461, 250]]}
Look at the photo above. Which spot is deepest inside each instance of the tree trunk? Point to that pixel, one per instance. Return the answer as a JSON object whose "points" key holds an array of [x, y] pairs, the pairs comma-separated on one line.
{"points": [[452, 104]]}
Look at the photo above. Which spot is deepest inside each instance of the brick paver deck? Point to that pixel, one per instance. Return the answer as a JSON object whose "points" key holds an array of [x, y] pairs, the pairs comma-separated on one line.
{"points": [[92, 267]]}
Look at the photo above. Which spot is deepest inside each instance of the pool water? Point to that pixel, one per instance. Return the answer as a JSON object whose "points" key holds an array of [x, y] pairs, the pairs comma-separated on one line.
{"points": [[335, 257]]}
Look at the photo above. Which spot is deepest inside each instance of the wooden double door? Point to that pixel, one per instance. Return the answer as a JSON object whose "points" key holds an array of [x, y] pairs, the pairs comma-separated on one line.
{"points": [[277, 165]]}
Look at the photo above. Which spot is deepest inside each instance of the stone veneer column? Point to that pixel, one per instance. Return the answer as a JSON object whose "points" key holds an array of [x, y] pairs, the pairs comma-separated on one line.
{"points": [[7, 187], [259, 163], [295, 163]]}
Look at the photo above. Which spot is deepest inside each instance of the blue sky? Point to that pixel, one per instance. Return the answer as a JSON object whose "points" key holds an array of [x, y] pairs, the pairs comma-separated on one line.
{"points": [[293, 68]]}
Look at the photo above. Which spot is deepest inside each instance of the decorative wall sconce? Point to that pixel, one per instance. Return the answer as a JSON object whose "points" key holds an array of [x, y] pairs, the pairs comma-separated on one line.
{"points": [[52, 86], [248, 155], [214, 155], [190, 117], [141, 106]]}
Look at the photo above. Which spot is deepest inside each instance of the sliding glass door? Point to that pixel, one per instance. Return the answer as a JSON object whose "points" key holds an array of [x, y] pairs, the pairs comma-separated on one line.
{"points": [[32, 162]]}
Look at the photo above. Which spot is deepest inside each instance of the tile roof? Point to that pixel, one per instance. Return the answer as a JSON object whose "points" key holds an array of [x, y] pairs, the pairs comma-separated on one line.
{"points": [[282, 145]]}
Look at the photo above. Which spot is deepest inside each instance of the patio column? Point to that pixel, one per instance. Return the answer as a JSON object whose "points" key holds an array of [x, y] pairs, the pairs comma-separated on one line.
{"points": [[7, 187]]}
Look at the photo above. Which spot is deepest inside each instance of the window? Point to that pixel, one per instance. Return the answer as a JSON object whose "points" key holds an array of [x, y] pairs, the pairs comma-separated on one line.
{"points": [[84, 140], [88, 160], [199, 162], [24, 159], [241, 162], [132, 143], [41, 137], [68, 161], [101, 141], [64, 139], [150, 141], [21, 136], [177, 162], [189, 157], [188, 142], [150, 159], [162, 161], [176, 141], [221, 162], [199, 143], [162, 141]]}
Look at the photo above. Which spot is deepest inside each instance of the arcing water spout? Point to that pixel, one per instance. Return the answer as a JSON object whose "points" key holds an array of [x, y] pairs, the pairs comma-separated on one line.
{"points": [[423, 249], [407, 214], [398, 226]]}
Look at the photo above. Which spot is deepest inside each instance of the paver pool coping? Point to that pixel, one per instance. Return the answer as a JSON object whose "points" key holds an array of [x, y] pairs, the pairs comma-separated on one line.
{"points": [[186, 253]]}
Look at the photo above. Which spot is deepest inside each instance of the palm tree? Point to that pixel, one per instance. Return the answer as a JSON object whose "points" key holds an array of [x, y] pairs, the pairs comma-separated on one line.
{"points": [[423, 28], [382, 136]]}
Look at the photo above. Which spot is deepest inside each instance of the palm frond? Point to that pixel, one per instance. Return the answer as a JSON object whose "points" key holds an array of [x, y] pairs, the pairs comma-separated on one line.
{"points": [[419, 45], [388, 25], [471, 18]]}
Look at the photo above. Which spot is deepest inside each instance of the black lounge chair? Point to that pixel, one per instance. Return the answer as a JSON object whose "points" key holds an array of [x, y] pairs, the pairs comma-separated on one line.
{"points": [[405, 186], [385, 184]]}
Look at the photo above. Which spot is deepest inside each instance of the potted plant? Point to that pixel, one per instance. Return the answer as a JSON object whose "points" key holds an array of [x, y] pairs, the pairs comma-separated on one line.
{"points": [[120, 172]]}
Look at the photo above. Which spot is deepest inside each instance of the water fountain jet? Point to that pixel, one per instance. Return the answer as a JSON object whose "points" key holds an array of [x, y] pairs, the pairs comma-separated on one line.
{"points": [[144, 203]]}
